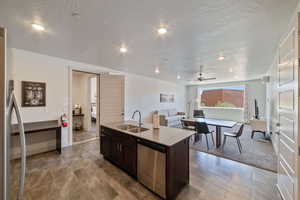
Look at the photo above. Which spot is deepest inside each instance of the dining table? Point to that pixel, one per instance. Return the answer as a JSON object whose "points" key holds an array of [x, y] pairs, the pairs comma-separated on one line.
{"points": [[218, 123]]}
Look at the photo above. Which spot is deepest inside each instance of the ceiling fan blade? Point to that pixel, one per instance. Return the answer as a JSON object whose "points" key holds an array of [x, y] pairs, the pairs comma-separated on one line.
{"points": [[207, 79]]}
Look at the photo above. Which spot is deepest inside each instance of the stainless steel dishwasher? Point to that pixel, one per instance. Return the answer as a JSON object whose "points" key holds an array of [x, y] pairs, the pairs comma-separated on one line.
{"points": [[151, 169]]}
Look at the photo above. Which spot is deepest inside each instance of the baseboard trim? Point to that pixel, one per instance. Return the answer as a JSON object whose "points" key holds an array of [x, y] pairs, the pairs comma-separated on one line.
{"points": [[85, 141]]}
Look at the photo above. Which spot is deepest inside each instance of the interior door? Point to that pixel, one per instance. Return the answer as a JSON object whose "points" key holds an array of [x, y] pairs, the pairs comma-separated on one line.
{"points": [[111, 98], [288, 115]]}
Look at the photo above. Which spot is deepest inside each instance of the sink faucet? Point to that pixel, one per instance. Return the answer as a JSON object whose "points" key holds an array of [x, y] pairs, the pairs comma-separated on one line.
{"points": [[140, 117]]}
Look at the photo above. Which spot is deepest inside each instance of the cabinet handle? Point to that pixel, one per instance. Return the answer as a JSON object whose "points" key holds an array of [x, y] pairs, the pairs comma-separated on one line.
{"points": [[121, 147]]}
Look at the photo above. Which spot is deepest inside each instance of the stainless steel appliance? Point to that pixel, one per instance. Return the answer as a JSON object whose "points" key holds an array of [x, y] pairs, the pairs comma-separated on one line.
{"points": [[151, 163], [8, 103]]}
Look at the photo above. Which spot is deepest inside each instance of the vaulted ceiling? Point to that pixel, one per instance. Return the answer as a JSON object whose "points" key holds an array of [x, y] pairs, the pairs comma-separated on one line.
{"points": [[245, 32]]}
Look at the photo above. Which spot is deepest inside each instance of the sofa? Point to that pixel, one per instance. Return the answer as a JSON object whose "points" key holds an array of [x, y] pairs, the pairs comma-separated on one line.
{"points": [[170, 117]]}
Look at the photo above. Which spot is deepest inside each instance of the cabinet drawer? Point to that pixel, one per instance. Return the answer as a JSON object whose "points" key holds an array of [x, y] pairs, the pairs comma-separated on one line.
{"points": [[107, 131], [128, 140]]}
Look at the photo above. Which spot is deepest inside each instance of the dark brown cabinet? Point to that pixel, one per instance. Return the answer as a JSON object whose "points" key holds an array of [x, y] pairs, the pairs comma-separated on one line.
{"points": [[120, 149], [129, 155], [105, 145]]}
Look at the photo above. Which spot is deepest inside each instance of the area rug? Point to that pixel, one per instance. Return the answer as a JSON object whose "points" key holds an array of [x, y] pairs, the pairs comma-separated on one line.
{"points": [[256, 152]]}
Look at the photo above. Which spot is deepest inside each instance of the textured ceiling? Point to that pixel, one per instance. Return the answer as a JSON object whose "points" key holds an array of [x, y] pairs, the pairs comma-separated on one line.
{"points": [[246, 32]]}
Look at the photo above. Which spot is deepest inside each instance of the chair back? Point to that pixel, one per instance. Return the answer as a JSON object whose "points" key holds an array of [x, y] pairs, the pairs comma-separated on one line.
{"points": [[240, 131], [183, 124], [186, 124], [201, 127], [258, 125], [198, 114]]}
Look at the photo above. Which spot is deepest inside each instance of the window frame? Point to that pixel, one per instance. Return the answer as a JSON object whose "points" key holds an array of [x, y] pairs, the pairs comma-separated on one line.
{"points": [[220, 87]]}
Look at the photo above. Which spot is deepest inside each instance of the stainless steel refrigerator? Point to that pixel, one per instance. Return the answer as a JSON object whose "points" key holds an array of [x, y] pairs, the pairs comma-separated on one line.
{"points": [[8, 104]]}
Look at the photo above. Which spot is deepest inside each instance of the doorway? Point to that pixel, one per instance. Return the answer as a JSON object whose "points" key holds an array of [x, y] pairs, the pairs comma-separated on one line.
{"points": [[85, 107]]}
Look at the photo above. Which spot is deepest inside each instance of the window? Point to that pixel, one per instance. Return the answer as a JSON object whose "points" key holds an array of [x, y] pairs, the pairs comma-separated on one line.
{"points": [[224, 97]]}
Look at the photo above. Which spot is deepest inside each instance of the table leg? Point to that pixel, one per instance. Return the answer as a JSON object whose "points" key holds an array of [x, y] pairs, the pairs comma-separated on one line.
{"points": [[218, 136], [58, 140]]}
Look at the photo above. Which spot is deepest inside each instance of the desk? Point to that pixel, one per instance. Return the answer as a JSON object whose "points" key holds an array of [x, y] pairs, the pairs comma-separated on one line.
{"points": [[34, 127], [213, 122]]}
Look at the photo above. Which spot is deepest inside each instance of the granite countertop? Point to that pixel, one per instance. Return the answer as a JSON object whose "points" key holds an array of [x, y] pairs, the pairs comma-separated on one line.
{"points": [[167, 136]]}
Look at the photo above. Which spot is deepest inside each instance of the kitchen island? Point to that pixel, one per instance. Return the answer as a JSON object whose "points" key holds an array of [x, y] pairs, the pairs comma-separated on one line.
{"points": [[157, 158]]}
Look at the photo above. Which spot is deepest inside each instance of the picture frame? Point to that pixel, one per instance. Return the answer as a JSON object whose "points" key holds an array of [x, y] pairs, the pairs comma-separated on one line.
{"points": [[167, 98], [33, 94]]}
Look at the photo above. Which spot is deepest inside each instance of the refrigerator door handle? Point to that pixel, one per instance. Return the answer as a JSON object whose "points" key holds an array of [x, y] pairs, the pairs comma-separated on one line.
{"points": [[14, 105]]}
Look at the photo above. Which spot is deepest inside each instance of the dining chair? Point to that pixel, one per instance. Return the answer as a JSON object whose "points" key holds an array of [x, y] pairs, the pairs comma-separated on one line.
{"points": [[198, 114], [258, 126], [202, 129], [235, 135], [188, 125]]}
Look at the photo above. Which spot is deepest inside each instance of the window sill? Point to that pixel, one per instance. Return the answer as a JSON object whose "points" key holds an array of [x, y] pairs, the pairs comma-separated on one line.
{"points": [[224, 108]]}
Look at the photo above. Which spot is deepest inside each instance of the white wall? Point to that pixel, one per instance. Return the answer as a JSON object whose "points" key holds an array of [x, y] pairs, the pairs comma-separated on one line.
{"points": [[140, 92], [27, 66], [256, 90], [146, 96]]}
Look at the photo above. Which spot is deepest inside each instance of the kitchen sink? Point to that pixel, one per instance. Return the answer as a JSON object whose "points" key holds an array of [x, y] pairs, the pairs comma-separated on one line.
{"points": [[126, 127], [132, 128], [138, 130]]}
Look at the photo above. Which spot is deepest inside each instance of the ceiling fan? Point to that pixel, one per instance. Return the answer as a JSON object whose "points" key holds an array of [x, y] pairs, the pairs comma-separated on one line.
{"points": [[201, 77]]}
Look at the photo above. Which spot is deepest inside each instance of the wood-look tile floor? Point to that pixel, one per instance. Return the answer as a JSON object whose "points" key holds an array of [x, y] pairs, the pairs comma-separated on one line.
{"points": [[80, 173], [83, 135]]}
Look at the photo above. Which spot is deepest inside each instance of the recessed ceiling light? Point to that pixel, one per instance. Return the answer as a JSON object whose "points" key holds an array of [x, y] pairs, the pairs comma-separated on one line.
{"points": [[123, 49], [38, 27], [162, 31], [230, 69], [178, 77], [157, 70], [221, 58]]}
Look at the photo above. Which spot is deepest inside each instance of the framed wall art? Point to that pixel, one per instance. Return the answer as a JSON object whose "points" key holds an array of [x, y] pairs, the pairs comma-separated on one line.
{"points": [[33, 94], [167, 98]]}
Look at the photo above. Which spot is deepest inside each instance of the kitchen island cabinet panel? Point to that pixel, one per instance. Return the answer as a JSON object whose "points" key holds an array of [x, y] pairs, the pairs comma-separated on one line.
{"points": [[120, 149]]}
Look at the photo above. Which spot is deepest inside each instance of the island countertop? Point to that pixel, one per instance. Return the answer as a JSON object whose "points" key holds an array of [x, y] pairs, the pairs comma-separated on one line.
{"points": [[167, 136]]}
